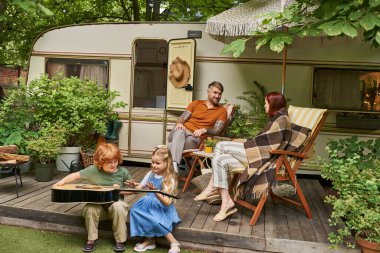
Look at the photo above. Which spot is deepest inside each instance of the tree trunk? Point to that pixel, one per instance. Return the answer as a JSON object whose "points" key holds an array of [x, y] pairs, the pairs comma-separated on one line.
{"points": [[148, 11], [156, 10], [136, 10], [3, 7]]}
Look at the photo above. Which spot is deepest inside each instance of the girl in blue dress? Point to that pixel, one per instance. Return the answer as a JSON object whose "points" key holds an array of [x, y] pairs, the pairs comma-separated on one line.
{"points": [[154, 215]]}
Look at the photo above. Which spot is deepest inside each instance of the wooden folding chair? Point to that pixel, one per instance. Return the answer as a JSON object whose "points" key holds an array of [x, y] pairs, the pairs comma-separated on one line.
{"points": [[191, 161], [288, 161]]}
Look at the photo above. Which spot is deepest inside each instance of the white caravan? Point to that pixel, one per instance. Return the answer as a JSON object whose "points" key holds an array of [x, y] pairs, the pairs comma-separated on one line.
{"points": [[135, 59]]}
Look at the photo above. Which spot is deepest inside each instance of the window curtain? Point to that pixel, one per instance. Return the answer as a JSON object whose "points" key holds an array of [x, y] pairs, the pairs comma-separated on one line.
{"points": [[94, 73], [336, 89], [56, 70]]}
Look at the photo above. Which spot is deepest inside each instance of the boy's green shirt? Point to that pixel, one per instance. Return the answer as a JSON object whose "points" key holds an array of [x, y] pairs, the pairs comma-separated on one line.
{"points": [[99, 177]]}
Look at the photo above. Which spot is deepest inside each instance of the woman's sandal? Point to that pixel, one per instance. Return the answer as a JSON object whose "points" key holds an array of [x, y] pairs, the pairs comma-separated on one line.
{"points": [[204, 196], [223, 214]]}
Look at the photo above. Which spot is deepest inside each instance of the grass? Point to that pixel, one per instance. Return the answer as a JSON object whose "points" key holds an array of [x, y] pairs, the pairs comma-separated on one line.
{"points": [[16, 239]]}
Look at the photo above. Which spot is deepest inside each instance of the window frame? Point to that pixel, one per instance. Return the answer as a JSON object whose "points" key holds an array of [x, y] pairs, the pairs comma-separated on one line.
{"points": [[341, 68], [73, 60]]}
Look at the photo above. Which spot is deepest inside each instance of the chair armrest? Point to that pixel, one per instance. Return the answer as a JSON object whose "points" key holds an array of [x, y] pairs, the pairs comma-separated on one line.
{"points": [[240, 140], [222, 138], [289, 153], [237, 170]]}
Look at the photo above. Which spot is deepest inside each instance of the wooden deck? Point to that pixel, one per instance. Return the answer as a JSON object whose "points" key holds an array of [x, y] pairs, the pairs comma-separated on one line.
{"points": [[280, 228]]}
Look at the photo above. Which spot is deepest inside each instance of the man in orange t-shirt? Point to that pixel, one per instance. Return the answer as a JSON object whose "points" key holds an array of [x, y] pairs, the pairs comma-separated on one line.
{"points": [[200, 119]]}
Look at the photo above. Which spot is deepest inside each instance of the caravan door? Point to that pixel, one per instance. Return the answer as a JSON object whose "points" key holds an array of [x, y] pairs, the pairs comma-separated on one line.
{"points": [[156, 88], [180, 78]]}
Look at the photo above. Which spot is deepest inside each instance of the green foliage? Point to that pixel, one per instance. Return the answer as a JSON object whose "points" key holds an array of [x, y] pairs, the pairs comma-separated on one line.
{"points": [[46, 147], [83, 107], [210, 142], [354, 169], [314, 18], [21, 21], [248, 124], [16, 120], [32, 5], [77, 108], [236, 47]]}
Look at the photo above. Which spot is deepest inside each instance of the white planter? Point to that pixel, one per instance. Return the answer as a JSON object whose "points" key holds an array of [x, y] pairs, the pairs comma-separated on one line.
{"points": [[67, 155]]}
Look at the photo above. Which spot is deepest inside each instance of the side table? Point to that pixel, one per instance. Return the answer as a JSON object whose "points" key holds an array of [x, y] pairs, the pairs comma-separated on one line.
{"points": [[200, 157]]}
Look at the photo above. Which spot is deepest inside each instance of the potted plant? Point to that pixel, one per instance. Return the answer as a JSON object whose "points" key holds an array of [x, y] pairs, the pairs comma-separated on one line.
{"points": [[45, 149], [354, 170], [358, 120], [210, 144], [82, 106]]}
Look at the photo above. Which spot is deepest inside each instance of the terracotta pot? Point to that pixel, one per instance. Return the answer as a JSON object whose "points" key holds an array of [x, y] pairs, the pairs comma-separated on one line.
{"points": [[366, 246]]}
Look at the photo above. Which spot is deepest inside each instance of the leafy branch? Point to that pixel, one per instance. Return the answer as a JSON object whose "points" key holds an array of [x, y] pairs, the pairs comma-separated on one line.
{"points": [[314, 18]]}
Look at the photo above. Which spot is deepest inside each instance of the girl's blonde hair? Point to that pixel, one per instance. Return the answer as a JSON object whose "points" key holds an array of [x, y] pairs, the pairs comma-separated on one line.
{"points": [[170, 182], [105, 153]]}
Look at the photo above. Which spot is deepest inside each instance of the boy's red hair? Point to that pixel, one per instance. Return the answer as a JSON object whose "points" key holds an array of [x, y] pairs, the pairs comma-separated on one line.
{"points": [[105, 153]]}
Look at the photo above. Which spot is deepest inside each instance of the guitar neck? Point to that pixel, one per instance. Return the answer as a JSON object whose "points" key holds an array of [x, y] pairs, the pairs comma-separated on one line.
{"points": [[147, 190]]}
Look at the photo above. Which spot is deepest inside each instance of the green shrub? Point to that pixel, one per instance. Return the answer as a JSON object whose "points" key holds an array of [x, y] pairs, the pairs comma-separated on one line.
{"points": [[82, 106], [16, 120], [248, 124], [46, 147], [354, 170]]}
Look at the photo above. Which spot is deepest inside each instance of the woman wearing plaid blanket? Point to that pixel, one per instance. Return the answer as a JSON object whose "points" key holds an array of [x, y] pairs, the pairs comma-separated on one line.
{"points": [[254, 153]]}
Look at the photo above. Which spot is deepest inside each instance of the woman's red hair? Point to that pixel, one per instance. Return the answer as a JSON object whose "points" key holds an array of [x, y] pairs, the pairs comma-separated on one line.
{"points": [[276, 102]]}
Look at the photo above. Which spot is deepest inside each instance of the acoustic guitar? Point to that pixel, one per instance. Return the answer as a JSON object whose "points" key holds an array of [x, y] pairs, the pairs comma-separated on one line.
{"points": [[93, 193]]}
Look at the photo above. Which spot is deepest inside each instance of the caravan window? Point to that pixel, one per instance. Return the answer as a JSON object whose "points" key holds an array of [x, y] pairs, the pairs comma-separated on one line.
{"points": [[347, 89], [94, 70], [150, 72]]}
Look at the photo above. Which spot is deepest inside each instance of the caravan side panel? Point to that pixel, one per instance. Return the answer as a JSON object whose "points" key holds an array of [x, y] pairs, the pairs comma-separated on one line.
{"points": [[36, 67], [120, 79]]}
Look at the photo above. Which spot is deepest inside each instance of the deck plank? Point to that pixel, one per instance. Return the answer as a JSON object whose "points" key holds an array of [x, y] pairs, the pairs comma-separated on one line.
{"points": [[270, 227], [210, 223], [295, 232], [191, 213], [281, 220], [24, 192], [201, 216], [316, 223], [234, 223], [245, 228], [306, 228]]}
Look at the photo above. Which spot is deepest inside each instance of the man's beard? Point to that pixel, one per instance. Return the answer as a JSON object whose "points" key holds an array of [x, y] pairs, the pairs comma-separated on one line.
{"points": [[215, 101]]}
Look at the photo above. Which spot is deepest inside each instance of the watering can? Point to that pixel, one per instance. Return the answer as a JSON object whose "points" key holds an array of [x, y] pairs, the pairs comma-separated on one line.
{"points": [[75, 166]]}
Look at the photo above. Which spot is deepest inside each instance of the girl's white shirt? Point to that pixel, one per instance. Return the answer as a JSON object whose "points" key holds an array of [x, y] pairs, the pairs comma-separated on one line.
{"points": [[146, 178]]}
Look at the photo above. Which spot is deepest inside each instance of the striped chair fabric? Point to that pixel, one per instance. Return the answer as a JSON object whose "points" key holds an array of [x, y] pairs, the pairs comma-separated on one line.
{"points": [[306, 117]]}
